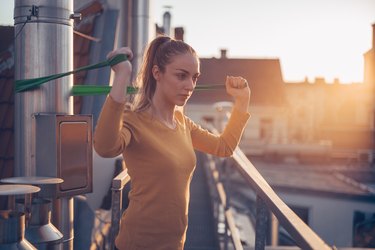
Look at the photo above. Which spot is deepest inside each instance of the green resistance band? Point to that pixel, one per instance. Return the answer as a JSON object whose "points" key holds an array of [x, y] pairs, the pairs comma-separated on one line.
{"points": [[26, 84], [84, 90]]}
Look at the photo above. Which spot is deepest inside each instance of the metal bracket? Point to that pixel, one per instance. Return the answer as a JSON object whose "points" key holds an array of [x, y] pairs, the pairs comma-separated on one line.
{"points": [[76, 16], [34, 11]]}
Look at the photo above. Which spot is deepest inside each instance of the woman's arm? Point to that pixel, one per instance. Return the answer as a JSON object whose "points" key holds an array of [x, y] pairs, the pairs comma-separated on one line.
{"points": [[224, 144], [110, 137], [221, 145], [122, 71]]}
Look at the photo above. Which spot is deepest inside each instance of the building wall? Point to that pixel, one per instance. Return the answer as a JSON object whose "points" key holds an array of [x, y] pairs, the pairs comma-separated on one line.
{"points": [[338, 114], [267, 125], [315, 113], [331, 218]]}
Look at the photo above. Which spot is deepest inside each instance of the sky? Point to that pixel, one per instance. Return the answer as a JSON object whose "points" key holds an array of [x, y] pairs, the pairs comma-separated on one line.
{"points": [[312, 38]]}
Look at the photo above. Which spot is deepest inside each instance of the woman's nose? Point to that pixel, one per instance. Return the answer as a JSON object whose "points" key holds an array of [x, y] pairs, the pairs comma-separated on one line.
{"points": [[190, 85]]}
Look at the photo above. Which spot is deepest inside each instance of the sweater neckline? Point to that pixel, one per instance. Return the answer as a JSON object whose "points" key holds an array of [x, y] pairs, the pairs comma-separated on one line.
{"points": [[161, 124]]}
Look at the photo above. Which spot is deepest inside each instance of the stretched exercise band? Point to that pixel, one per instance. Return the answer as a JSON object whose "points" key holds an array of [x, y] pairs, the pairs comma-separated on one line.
{"points": [[82, 90], [26, 84]]}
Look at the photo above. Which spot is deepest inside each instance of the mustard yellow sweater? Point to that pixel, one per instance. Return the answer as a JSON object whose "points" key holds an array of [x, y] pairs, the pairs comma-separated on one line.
{"points": [[160, 162]]}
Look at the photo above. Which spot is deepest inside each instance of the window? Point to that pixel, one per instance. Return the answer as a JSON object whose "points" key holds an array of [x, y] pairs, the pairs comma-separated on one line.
{"points": [[363, 229], [266, 127]]}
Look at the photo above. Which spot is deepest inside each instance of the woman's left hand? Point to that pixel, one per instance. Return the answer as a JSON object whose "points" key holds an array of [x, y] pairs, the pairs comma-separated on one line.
{"points": [[238, 87]]}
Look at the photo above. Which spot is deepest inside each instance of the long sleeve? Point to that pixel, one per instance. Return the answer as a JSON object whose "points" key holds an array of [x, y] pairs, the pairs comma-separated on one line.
{"points": [[111, 137], [224, 144]]}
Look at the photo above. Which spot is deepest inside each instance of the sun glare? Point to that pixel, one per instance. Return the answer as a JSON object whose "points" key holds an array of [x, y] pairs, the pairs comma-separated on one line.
{"points": [[311, 38]]}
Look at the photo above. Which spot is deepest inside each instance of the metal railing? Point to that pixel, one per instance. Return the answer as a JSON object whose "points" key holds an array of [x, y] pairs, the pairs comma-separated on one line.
{"points": [[214, 179], [267, 200], [303, 235], [118, 184]]}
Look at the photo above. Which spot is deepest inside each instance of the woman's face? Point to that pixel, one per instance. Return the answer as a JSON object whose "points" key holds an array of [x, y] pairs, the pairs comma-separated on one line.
{"points": [[176, 84]]}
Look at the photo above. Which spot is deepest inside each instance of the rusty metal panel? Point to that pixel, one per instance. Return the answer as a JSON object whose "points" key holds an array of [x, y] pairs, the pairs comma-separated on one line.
{"points": [[64, 150]]}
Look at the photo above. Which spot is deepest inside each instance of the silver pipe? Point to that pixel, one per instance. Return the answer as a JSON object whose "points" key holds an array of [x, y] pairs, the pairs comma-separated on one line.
{"points": [[140, 30], [167, 23], [124, 24], [43, 46], [63, 219]]}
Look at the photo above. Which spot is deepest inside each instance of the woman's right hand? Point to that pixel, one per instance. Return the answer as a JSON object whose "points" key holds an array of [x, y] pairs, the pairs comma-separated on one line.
{"points": [[123, 72], [124, 67]]}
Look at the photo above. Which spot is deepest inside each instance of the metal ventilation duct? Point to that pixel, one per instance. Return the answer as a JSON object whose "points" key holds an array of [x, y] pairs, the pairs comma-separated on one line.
{"points": [[43, 46]]}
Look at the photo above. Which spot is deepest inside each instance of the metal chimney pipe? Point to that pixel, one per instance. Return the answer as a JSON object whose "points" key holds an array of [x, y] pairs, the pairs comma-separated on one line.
{"points": [[43, 46], [140, 32], [124, 36], [167, 23]]}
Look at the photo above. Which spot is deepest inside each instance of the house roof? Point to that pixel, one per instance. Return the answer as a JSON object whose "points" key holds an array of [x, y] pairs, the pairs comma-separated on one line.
{"points": [[7, 34], [264, 77], [6, 108], [82, 45], [326, 180], [364, 176]]}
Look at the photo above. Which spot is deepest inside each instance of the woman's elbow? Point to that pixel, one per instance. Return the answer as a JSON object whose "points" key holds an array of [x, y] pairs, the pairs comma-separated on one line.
{"points": [[225, 152], [104, 151], [228, 153]]}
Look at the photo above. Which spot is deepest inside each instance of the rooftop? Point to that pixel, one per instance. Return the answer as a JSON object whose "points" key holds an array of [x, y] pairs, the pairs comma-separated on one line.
{"points": [[264, 77], [324, 179]]}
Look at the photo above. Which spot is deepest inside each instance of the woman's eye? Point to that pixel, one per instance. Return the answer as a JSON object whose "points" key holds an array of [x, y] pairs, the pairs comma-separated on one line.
{"points": [[181, 76]]}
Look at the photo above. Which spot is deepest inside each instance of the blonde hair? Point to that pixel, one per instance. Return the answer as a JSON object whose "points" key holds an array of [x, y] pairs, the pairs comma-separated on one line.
{"points": [[159, 52]]}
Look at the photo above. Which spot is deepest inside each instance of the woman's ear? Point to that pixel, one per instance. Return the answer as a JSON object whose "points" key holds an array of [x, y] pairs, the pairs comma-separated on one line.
{"points": [[156, 72]]}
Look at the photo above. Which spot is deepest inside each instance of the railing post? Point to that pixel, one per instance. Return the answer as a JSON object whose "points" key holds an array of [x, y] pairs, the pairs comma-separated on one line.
{"points": [[261, 224], [116, 211], [274, 235], [226, 236], [118, 184], [224, 176]]}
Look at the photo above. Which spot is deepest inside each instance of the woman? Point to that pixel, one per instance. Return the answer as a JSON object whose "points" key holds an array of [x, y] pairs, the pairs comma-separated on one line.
{"points": [[158, 141]]}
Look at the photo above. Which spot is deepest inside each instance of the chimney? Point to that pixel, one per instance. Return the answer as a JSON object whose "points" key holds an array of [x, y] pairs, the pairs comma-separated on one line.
{"points": [[223, 53], [140, 26], [167, 23], [179, 33], [320, 80], [159, 30], [43, 47], [46, 43]]}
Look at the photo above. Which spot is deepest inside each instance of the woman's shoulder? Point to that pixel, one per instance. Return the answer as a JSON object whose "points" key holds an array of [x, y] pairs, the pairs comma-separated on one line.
{"points": [[132, 117], [183, 119], [179, 115]]}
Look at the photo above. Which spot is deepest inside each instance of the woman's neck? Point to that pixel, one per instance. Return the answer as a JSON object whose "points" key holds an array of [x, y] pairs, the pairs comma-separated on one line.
{"points": [[164, 113]]}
